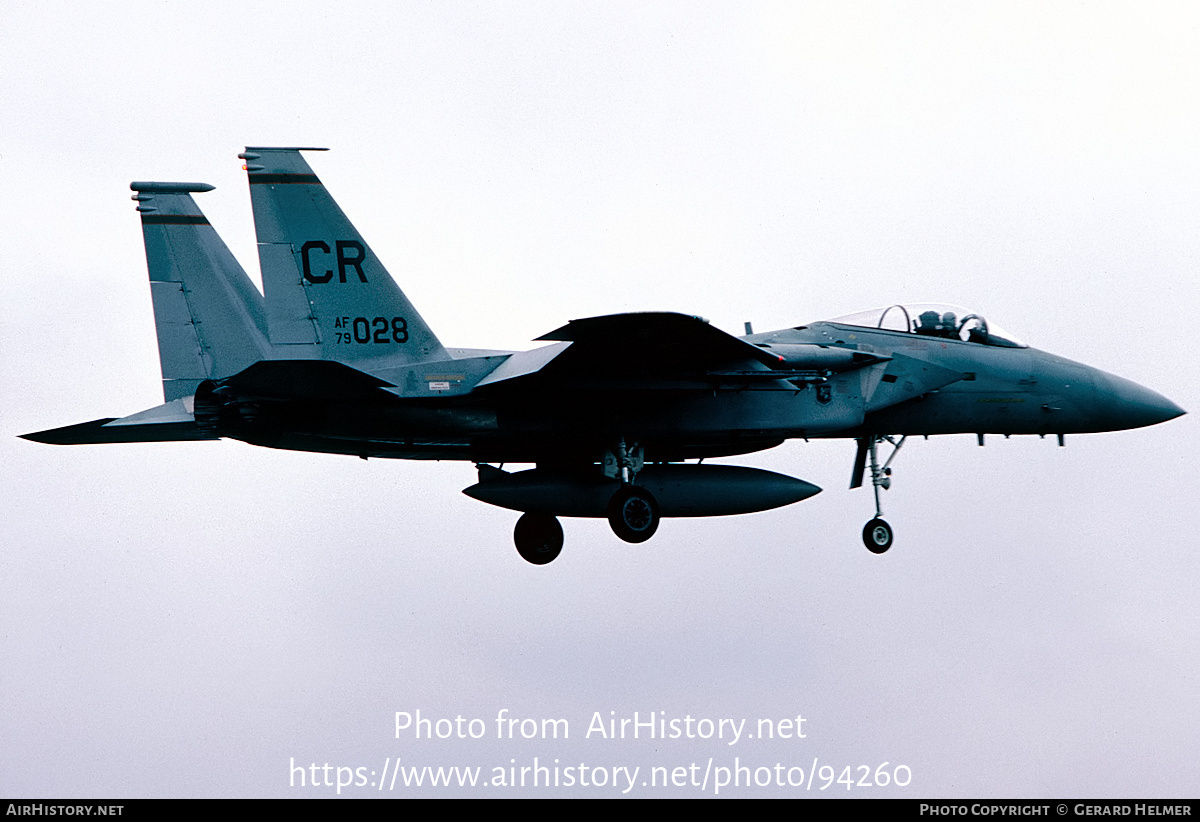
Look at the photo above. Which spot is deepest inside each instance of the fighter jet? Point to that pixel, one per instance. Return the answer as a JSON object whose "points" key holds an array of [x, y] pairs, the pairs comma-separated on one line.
{"points": [[616, 414]]}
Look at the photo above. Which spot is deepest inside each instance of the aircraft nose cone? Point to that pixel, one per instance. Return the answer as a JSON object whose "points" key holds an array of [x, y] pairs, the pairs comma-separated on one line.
{"points": [[1125, 404]]}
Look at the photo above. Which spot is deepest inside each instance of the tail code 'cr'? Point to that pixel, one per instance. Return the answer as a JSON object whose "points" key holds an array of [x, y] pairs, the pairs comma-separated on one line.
{"points": [[327, 293]]}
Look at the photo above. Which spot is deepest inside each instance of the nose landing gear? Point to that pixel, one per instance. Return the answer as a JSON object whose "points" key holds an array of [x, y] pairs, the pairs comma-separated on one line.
{"points": [[877, 534]]}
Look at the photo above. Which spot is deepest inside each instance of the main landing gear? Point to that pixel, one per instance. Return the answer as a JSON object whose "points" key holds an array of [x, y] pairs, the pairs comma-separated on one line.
{"points": [[539, 538], [877, 534], [633, 512]]}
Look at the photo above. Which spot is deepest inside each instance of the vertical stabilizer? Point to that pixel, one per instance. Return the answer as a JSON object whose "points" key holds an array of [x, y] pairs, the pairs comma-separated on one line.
{"points": [[208, 314], [328, 296]]}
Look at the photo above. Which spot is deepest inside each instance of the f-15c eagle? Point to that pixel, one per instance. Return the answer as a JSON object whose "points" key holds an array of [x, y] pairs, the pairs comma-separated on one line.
{"points": [[615, 413]]}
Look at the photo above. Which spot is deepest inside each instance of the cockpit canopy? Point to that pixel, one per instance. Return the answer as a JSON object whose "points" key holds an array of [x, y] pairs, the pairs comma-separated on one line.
{"points": [[951, 322]]}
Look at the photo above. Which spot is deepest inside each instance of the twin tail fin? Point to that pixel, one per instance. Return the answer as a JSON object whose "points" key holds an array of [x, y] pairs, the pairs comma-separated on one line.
{"points": [[209, 316]]}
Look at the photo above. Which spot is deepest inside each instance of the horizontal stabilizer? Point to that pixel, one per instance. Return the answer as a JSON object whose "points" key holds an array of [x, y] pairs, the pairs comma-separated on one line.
{"points": [[108, 430], [179, 410]]}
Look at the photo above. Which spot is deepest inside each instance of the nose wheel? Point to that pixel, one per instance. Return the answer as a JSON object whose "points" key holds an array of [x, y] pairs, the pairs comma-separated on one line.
{"points": [[877, 536]]}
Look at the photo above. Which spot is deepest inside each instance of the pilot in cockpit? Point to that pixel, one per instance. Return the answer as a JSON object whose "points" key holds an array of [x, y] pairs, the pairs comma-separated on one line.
{"points": [[929, 323]]}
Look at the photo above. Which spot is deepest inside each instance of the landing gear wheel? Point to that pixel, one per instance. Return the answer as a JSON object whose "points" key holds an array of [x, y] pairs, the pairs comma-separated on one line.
{"points": [[877, 536], [633, 514], [539, 538]]}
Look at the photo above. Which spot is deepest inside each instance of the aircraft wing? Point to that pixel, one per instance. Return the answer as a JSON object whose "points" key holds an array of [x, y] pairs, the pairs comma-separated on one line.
{"points": [[658, 347], [637, 350], [660, 340]]}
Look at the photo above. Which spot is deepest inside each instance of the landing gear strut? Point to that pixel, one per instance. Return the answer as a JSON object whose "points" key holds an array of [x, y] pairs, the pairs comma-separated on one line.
{"points": [[539, 538], [877, 534]]}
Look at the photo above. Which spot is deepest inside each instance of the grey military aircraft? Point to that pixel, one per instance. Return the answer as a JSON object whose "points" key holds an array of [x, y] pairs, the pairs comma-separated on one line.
{"points": [[616, 414]]}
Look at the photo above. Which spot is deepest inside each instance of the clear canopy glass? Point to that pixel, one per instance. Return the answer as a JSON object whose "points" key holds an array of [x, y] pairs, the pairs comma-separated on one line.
{"points": [[951, 322]]}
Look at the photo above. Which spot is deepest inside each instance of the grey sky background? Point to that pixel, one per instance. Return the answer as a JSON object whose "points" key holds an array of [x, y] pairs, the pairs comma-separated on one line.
{"points": [[184, 619]]}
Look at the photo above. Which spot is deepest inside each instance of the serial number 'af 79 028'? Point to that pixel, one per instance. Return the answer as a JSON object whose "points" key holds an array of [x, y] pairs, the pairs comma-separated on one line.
{"points": [[372, 330]]}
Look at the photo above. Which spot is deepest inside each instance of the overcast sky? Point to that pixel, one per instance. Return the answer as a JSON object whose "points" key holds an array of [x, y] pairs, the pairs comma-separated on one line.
{"points": [[191, 619]]}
